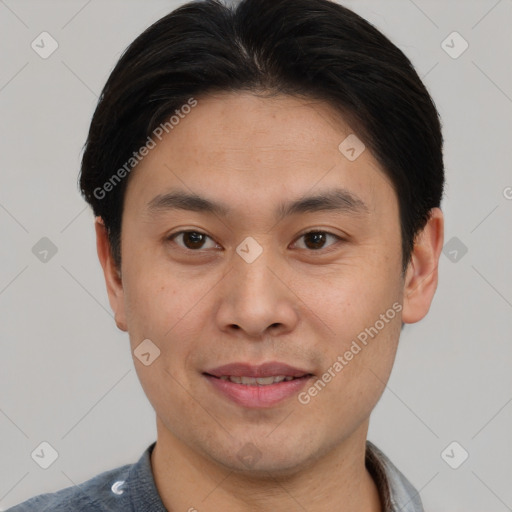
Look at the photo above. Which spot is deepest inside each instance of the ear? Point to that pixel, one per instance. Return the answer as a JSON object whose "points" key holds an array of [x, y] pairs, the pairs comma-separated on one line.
{"points": [[112, 274], [422, 272]]}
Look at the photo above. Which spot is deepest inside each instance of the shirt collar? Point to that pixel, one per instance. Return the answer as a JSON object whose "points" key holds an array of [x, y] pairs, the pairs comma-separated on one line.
{"points": [[396, 493], [144, 495]]}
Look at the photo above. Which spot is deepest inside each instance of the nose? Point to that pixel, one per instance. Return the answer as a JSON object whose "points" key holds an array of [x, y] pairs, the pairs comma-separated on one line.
{"points": [[256, 299]]}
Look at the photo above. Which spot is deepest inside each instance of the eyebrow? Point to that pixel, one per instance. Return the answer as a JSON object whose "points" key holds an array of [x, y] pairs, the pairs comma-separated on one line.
{"points": [[339, 199]]}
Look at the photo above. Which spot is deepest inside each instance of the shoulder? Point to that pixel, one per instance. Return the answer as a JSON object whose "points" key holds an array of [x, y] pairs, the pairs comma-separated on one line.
{"points": [[100, 493]]}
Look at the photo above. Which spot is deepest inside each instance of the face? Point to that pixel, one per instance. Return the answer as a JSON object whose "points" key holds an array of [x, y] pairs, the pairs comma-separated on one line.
{"points": [[259, 277]]}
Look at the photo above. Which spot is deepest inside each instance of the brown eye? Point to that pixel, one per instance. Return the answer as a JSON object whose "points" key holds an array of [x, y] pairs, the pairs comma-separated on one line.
{"points": [[192, 240], [316, 240]]}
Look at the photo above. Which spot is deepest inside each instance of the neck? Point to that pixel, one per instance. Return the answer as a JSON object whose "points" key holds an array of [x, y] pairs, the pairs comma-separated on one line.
{"points": [[189, 481]]}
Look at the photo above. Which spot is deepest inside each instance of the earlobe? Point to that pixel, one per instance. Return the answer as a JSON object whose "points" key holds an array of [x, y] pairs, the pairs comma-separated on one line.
{"points": [[111, 273], [422, 272]]}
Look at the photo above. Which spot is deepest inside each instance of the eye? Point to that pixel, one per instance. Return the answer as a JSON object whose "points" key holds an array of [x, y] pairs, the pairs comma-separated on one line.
{"points": [[195, 240], [192, 240], [315, 240]]}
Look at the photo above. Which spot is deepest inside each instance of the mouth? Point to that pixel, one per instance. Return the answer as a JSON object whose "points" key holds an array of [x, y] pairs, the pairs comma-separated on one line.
{"points": [[257, 386], [259, 381]]}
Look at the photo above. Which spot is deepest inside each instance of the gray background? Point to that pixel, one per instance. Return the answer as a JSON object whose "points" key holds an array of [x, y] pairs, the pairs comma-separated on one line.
{"points": [[67, 376]]}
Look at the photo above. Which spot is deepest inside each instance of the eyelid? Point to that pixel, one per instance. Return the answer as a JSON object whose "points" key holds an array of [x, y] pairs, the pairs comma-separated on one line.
{"points": [[320, 230]]}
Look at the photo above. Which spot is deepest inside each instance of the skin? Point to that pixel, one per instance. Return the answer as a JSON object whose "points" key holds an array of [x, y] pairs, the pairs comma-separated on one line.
{"points": [[293, 304]]}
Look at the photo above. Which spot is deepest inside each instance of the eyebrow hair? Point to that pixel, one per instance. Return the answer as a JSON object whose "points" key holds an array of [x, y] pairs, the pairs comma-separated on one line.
{"points": [[338, 199]]}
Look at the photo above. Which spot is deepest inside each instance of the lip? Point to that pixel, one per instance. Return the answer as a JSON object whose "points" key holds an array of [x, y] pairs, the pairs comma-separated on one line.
{"points": [[270, 369], [256, 396]]}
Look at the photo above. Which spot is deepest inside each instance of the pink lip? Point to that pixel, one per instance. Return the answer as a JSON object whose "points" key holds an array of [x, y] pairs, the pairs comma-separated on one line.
{"points": [[270, 369], [255, 396]]}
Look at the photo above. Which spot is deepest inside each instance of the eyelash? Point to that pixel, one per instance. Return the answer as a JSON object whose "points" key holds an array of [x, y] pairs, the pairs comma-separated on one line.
{"points": [[315, 231]]}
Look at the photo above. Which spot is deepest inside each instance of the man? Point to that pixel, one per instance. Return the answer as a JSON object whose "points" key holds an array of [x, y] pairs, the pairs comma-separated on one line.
{"points": [[266, 180]]}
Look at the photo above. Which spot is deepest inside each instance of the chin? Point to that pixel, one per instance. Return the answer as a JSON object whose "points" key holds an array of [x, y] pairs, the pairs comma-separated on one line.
{"points": [[264, 463]]}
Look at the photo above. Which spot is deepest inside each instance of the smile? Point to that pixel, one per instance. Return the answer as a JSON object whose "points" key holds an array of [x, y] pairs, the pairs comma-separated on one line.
{"points": [[257, 387], [257, 381]]}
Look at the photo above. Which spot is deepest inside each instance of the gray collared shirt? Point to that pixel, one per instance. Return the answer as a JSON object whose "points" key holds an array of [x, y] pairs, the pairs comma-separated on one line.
{"points": [[131, 488]]}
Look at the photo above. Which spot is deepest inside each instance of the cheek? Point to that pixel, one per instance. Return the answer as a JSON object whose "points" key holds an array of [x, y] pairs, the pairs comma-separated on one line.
{"points": [[168, 309], [156, 298], [355, 375], [167, 312], [361, 307], [352, 297]]}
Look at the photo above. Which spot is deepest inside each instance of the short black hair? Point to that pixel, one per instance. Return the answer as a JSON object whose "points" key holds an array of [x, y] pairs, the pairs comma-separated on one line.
{"points": [[308, 48]]}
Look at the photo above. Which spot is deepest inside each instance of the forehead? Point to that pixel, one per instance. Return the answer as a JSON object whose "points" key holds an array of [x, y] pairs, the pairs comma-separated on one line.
{"points": [[246, 130], [246, 150]]}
